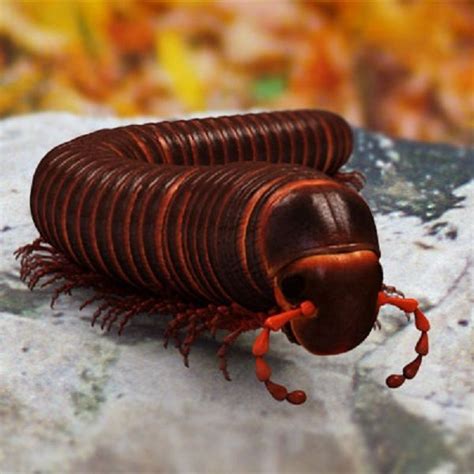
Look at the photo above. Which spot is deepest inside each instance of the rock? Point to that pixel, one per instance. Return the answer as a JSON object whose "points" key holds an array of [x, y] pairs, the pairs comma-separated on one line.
{"points": [[73, 399]]}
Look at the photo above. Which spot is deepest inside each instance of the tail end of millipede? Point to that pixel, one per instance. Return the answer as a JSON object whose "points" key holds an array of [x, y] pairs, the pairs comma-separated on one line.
{"points": [[408, 305]]}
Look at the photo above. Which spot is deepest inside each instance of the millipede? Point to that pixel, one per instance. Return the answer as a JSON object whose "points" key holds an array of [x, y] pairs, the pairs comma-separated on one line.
{"points": [[234, 224]]}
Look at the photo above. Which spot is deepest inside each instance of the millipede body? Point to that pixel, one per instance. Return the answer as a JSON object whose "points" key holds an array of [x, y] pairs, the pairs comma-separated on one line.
{"points": [[233, 223]]}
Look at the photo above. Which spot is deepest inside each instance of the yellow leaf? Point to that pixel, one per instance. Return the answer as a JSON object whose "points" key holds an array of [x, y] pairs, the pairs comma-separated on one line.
{"points": [[175, 57]]}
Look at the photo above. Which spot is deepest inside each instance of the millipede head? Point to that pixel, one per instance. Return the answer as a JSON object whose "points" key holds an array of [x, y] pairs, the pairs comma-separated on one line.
{"points": [[344, 289]]}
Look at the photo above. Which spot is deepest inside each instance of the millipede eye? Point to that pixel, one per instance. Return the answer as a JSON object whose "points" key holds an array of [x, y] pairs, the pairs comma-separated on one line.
{"points": [[293, 286]]}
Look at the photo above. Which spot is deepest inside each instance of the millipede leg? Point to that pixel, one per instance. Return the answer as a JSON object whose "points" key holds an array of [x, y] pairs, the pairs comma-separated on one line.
{"points": [[262, 345], [191, 334], [354, 179], [39, 261], [392, 291], [409, 305], [222, 352]]}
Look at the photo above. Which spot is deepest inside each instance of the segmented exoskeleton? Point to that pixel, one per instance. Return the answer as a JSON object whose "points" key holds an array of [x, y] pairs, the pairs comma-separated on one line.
{"points": [[222, 222]]}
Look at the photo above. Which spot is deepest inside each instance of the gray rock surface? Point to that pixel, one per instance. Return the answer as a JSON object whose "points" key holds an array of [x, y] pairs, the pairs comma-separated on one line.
{"points": [[73, 399]]}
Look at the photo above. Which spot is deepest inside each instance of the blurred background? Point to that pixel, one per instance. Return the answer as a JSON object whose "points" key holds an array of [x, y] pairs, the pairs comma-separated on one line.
{"points": [[402, 67]]}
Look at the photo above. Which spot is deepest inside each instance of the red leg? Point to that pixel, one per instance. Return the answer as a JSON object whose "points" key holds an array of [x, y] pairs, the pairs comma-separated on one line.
{"points": [[409, 305], [261, 347]]}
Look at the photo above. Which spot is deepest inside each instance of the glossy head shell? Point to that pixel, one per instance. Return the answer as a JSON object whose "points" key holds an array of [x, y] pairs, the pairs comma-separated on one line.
{"points": [[322, 246], [317, 217]]}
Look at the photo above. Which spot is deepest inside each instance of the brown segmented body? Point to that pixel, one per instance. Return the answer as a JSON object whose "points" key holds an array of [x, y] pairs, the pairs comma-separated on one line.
{"points": [[220, 222], [154, 206]]}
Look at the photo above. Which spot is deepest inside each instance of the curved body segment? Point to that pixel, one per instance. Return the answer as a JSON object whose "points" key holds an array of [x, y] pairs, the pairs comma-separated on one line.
{"points": [[177, 204]]}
